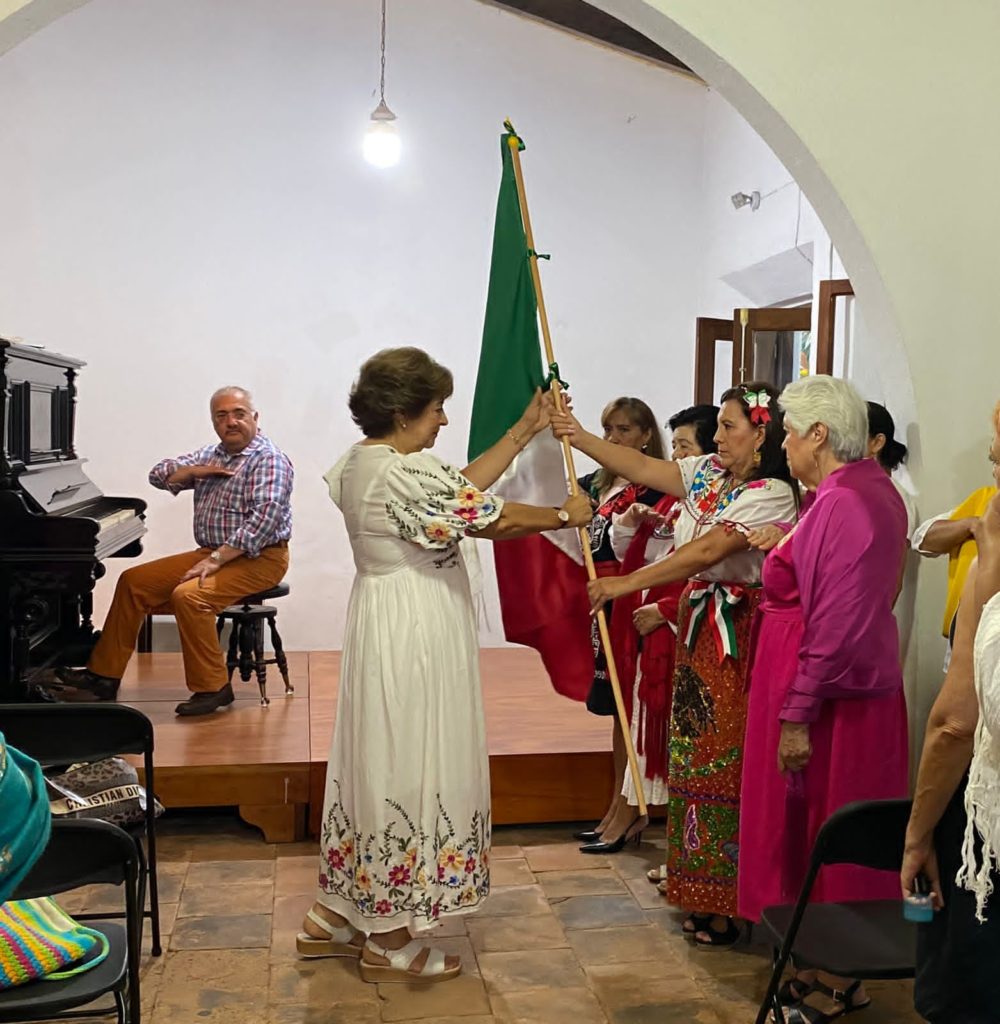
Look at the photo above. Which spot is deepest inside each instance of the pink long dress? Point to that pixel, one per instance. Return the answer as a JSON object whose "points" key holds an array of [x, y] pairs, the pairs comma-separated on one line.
{"points": [[825, 653]]}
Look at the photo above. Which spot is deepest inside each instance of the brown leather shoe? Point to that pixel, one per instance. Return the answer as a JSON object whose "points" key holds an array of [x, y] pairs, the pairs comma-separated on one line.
{"points": [[205, 703], [81, 686]]}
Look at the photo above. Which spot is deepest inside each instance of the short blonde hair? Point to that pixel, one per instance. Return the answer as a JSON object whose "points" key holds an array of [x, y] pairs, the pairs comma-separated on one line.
{"points": [[834, 403]]}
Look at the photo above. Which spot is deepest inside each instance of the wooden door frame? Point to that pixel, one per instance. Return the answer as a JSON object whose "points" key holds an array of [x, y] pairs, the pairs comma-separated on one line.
{"points": [[708, 330], [829, 292], [768, 318]]}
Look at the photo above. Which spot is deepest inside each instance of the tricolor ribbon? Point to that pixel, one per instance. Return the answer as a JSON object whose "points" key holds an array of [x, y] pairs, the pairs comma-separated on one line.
{"points": [[717, 602], [757, 403]]}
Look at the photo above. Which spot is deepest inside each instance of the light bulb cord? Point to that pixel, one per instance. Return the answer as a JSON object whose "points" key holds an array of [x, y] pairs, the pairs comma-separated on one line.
{"points": [[381, 82]]}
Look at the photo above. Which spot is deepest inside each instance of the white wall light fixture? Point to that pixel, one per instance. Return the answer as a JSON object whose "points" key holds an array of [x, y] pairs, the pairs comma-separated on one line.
{"points": [[741, 199], [382, 146]]}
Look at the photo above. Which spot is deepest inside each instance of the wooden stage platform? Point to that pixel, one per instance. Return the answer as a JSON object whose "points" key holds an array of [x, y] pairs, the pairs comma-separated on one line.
{"points": [[550, 759]]}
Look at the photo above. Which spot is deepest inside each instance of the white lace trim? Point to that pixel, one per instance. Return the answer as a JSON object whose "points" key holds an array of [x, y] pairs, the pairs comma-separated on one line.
{"points": [[982, 794]]}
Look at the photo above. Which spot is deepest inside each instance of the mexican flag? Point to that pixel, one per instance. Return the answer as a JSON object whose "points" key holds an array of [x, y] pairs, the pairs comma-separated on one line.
{"points": [[542, 581]]}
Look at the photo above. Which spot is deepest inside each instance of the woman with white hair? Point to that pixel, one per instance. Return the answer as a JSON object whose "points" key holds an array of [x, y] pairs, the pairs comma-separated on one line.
{"points": [[826, 723]]}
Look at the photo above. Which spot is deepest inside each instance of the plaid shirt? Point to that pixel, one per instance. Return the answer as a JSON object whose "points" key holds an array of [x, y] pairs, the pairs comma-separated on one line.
{"points": [[249, 510]]}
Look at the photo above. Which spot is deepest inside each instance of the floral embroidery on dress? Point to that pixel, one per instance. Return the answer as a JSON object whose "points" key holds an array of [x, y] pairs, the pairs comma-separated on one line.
{"points": [[447, 505], [438, 531], [404, 869], [707, 494], [470, 501]]}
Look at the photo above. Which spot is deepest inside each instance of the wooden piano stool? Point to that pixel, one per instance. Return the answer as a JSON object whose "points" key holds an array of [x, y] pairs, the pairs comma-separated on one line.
{"points": [[246, 651], [246, 639]]}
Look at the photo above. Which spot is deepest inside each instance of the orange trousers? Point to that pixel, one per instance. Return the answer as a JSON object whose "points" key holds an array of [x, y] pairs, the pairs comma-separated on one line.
{"points": [[156, 586]]}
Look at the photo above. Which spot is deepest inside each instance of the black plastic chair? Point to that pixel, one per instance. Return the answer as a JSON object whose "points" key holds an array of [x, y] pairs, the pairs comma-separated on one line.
{"points": [[62, 734], [85, 853], [863, 939]]}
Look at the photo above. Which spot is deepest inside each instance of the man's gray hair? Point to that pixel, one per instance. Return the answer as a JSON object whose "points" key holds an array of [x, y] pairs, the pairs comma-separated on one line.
{"points": [[834, 403], [231, 389]]}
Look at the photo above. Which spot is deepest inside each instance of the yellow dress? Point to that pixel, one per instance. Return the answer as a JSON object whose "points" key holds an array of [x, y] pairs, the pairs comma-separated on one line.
{"points": [[960, 560]]}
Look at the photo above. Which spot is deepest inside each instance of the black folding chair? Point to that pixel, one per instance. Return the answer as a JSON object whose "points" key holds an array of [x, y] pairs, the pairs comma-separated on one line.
{"points": [[62, 734], [79, 853], [863, 939]]}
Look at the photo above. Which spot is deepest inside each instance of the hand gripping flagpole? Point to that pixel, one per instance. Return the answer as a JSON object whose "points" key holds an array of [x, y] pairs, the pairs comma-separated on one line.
{"points": [[515, 144]]}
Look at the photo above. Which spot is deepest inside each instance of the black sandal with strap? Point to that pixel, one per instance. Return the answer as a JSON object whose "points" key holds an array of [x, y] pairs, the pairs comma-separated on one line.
{"points": [[802, 1013], [718, 940], [789, 995], [694, 923]]}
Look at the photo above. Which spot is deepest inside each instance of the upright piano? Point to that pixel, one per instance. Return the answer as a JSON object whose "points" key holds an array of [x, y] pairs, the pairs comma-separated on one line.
{"points": [[56, 525]]}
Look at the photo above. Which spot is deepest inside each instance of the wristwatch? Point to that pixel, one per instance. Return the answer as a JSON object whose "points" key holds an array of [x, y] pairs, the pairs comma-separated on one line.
{"points": [[216, 557], [563, 517]]}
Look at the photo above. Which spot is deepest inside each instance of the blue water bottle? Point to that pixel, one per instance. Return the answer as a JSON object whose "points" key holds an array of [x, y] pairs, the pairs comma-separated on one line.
{"points": [[919, 907]]}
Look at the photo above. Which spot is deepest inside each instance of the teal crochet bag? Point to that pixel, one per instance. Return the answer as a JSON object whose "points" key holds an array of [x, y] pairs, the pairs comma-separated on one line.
{"points": [[39, 941], [25, 819]]}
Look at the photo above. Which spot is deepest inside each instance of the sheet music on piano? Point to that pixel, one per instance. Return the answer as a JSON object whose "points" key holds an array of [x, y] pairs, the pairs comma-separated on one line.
{"points": [[56, 525]]}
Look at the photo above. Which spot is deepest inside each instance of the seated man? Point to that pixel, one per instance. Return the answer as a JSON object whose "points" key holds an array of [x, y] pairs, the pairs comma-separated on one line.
{"points": [[242, 522]]}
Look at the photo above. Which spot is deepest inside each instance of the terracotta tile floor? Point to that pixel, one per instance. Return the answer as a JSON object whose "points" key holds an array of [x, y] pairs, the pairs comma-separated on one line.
{"points": [[563, 939]]}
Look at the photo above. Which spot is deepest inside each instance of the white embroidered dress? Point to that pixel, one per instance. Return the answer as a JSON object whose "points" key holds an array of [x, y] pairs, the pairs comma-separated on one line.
{"points": [[406, 821]]}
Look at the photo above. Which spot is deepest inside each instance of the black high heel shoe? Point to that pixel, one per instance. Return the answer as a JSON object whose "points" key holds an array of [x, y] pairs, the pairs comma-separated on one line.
{"points": [[590, 835], [619, 844]]}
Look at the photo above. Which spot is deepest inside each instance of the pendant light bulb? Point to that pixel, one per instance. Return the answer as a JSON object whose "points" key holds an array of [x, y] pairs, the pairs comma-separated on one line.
{"points": [[382, 145]]}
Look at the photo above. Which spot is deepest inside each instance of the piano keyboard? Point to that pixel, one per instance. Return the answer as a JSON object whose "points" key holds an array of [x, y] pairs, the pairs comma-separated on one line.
{"points": [[106, 522], [116, 529]]}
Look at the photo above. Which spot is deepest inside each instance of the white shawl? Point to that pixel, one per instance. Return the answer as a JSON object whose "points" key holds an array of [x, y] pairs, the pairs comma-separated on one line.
{"points": [[982, 794]]}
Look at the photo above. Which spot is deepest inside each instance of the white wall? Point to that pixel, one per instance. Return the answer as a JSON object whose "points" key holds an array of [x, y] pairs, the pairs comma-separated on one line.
{"points": [[781, 252], [749, 257], [183, 204]]}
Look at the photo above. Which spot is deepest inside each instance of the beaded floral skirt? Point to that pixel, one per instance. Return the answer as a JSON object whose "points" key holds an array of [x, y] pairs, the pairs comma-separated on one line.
{"points": [[707, 726]]}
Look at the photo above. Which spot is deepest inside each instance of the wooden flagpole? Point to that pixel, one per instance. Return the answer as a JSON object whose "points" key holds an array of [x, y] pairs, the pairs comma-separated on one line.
{"points": [[574, 488]]}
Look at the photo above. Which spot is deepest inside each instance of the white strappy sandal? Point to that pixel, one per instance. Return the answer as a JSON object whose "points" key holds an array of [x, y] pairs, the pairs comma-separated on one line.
{"points": [[400, 961], [337, 941]]}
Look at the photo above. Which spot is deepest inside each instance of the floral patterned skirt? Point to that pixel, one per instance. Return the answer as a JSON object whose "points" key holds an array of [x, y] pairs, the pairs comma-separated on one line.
{"points": [[406, 821], [707, 726], [400, 873]]}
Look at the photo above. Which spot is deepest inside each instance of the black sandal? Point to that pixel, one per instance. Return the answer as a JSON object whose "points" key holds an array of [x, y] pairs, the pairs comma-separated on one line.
{"points": [[789, 996], [718, 940], [697, 922], [804, 1014]]}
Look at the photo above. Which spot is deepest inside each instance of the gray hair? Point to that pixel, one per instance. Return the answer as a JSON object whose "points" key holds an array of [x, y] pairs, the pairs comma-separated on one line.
{"points": [[232, 389], [834, 403]]}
